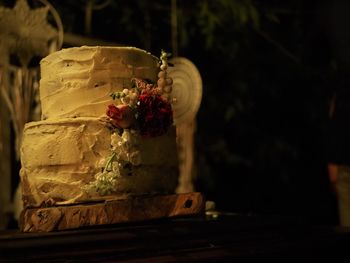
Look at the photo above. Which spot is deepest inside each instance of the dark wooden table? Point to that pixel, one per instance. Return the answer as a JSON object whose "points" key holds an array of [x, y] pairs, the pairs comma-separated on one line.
{"points": [[228, 238]]}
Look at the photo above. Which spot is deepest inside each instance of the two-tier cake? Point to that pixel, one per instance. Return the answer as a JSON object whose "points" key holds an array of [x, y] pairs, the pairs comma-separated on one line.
{"points": [[106, 130]]}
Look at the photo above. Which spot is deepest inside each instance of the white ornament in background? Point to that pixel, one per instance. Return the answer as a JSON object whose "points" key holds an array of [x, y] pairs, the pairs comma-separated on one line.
{"points": [[187, 89], [27, 32]]}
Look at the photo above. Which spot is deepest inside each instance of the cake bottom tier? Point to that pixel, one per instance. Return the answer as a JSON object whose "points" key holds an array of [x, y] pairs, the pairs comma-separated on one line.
{"points": [[60, 158]]}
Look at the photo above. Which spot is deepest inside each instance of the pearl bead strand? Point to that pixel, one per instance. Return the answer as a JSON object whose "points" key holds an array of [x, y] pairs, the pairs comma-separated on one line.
{"points": [[164, 81]]}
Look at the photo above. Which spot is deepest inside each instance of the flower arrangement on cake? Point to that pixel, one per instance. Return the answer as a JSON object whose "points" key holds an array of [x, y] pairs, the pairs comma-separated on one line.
{"points": [[143, 110]]}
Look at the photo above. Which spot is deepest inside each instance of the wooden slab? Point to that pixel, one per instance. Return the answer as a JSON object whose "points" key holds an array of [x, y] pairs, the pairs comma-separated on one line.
{"points": [[111, 212]]}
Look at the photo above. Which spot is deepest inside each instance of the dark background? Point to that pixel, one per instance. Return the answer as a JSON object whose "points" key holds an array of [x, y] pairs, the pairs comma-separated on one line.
{"points": [[262, 140]]}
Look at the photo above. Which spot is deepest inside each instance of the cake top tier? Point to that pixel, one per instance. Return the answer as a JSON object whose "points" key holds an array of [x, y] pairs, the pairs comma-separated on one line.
{"points": [[78, 81]]}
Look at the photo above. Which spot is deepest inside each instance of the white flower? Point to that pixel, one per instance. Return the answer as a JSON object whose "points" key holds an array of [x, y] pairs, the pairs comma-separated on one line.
{"points": [[115, 168], [114, 139], [135, 158], [126, 135]]}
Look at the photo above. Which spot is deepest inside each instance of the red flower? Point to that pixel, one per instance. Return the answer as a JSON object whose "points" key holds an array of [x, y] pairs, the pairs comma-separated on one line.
{"points": [[122, 116], [155, 115]]}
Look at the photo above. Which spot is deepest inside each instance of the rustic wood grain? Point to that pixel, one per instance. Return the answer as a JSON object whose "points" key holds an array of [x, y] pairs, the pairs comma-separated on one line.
{"points": [[111, 212]]}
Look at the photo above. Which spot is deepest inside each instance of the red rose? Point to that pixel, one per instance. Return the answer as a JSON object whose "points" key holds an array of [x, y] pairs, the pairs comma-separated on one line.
{"points": [[122, 116], [155, 115]]}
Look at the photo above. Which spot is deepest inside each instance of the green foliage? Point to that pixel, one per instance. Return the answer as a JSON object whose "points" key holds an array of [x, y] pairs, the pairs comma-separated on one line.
{"points": [[211, 18]]}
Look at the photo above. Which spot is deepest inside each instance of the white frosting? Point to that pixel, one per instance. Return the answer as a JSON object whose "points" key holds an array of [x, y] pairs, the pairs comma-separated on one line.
{"points": [[77, 82], [59, 157], [61, 154]]}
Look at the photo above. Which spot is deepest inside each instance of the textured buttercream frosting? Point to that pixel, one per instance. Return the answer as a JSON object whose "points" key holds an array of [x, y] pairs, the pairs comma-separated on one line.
{"points": [[64, 152], [60, 157], [77, 82]]}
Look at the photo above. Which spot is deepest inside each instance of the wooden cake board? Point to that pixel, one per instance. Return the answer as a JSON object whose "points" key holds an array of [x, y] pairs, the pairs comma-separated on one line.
{"points": [[111, 212]]}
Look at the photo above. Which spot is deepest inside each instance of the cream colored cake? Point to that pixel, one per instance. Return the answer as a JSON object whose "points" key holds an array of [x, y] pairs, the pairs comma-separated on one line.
{"points": [[77, 153], [77, 82]]}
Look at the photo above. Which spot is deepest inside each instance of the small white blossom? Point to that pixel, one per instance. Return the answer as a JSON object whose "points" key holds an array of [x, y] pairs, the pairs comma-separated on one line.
{"points": [[135, 158]]}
